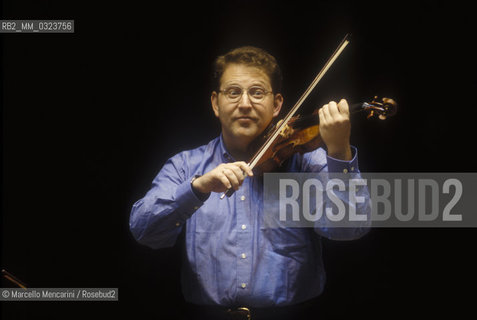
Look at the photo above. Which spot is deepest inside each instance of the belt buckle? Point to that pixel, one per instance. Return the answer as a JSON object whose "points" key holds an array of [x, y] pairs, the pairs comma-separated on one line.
{"points": [[240, 313]]}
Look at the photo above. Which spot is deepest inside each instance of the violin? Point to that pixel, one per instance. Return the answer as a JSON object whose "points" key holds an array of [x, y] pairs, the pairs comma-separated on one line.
{"points": [[302, 133], [297, 134]]}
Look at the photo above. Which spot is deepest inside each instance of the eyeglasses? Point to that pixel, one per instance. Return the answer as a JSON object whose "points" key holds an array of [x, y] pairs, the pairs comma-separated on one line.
{"points": [[255, 94]]}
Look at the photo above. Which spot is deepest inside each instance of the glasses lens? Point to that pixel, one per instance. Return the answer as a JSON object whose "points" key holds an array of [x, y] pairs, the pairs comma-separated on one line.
{"points": [[233, 93], [256, 93]]}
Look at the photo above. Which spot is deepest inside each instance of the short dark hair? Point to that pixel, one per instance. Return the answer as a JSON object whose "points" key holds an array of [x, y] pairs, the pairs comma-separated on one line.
{"points": [[251, 56]]}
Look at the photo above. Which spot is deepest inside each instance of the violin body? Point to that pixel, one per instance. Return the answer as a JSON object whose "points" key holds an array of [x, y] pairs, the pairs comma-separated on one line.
{"points": [[293, 138]]}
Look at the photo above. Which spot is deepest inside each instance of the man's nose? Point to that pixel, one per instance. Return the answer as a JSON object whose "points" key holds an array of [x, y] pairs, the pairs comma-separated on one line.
{"points": [[244, 101]]}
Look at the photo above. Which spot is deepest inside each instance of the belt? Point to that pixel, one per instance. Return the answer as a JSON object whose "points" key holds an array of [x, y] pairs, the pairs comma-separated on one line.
{"points": [[245, 313], [240, 313]]}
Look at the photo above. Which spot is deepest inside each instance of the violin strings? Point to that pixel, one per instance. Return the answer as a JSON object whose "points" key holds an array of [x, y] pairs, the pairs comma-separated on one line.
{"points": [[313, 119]]}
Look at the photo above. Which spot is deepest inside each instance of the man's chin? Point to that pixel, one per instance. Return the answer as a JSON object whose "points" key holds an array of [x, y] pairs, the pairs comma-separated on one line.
{"points": [[246, 133]]}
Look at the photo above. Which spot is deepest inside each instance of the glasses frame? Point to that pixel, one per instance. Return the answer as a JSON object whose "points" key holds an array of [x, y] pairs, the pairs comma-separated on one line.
{"points": [[253, 99]]}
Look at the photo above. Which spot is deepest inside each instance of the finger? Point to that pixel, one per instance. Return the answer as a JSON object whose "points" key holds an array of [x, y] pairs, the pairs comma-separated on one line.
{"points": [[326, 113], [232, 178], [245, 168], [343, 106], [321, 115], [238, 172], [225, 181], [333, 109]]}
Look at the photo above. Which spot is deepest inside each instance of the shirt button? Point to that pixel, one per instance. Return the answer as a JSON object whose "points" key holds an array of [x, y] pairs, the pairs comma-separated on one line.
{"points": [[243, 256], [352, 168], [178, 224], [243, 285], [196, 207], [345, 170], [244, 227], [242, 198]]}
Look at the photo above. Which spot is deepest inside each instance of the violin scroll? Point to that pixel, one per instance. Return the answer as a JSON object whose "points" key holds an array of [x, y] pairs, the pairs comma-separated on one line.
{"points": [[382, 109]]}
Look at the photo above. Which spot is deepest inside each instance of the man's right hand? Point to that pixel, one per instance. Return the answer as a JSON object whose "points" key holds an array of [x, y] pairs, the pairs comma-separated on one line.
{"points": [[223, 177]]}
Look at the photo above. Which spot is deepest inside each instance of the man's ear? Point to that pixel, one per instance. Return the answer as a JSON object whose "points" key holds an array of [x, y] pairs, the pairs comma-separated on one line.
{"points": [[277, 104], [214, 101]]}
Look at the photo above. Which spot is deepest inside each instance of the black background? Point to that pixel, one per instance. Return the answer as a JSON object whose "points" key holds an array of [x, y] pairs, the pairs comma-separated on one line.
{"points": [[89, 119]]}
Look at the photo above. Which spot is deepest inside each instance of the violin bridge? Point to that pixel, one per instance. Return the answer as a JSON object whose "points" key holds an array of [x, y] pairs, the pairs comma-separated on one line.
{"points": [[286, 132]]}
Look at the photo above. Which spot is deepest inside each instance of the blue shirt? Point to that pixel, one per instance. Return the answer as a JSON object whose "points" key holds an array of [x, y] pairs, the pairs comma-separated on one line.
{"points": [[231, 259]]}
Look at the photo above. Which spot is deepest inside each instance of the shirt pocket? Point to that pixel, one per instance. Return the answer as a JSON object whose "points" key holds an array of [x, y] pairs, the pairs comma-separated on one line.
{"points": [[289, 242]]}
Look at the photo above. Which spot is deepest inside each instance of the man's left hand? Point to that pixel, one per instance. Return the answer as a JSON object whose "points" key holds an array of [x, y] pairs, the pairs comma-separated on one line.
{"points": [[335, 129]]}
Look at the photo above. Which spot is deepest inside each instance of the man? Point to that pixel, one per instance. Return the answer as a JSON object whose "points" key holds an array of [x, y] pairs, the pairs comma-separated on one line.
{"points": [[233, 264]]}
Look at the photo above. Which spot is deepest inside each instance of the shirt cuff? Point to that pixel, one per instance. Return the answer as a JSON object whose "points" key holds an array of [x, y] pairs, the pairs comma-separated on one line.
{"points": [[187, 200], [337, 165]]}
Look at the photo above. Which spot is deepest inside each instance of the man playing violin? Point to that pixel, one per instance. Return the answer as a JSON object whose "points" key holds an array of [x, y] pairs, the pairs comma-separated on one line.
{"points": [[234, 266]]}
